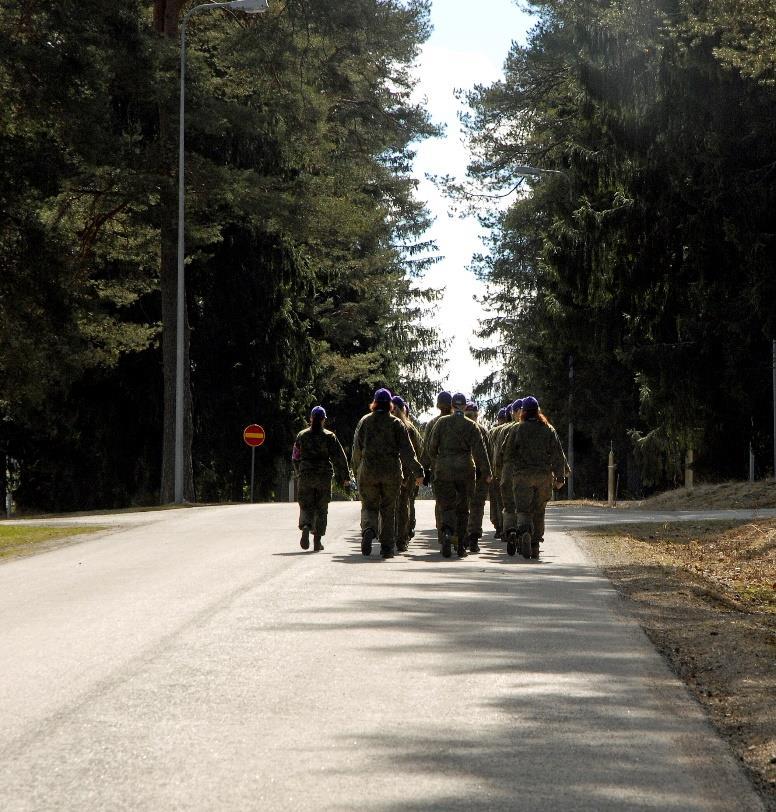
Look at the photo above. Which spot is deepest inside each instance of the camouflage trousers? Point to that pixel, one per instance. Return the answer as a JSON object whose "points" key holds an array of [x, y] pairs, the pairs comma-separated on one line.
{"points": [[495, 504], [453, 500], [477, 507], [507, 501], [314, 495], [531, 492], [379, 497], [405, 510]]}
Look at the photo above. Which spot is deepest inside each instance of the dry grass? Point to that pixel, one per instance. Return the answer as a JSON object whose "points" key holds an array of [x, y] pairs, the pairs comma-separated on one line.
{"points": [[705, 594], [743, 495], [735, 561]]}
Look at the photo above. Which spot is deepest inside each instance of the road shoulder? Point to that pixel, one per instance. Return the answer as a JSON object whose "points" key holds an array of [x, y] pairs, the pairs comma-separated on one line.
{"points": [[718, 641]]}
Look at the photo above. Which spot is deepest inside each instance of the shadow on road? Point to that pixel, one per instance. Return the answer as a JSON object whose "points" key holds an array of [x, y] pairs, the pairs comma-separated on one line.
{"points": [[573, 710]]}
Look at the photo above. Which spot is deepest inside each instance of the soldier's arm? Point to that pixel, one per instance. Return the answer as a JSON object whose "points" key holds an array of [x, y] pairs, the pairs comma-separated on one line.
{"points": [[424, 458], [499, 448], [406, 452], [357, 450], [560, 466], [480, 454], [296, 456], [339, 460]]}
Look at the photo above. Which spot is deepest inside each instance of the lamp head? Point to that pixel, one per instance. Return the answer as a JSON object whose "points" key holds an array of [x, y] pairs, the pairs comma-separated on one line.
{"points": [[249, 6]]}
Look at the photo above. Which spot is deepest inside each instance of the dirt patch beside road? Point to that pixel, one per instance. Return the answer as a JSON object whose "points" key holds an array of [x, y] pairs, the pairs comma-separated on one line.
{"points": [[705, 594]]}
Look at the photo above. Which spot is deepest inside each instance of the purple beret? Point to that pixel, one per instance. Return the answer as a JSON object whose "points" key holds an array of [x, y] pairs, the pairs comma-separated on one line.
{"points": [[383, 396], [530, 404], [444, 398]]}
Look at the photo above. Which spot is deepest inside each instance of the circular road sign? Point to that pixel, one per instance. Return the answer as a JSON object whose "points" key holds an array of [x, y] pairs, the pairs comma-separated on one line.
{"points": [[254, 435]]}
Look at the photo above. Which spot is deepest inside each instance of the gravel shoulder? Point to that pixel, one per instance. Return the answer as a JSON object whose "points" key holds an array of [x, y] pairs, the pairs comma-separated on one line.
{"points": [[705, 594]]}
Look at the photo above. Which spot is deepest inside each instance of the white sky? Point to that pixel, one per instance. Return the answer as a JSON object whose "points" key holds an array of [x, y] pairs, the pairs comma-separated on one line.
{"points": [[468, 46]]}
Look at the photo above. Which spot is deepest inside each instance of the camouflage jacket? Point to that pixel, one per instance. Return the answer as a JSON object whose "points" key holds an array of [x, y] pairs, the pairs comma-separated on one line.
{"points": [[456, 447], [381, 445], [319, 452], [424, 458], [534, 447], [497, 439]]}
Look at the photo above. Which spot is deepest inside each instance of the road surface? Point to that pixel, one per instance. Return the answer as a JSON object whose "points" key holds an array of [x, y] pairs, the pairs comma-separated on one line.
{"points": [[199, 660]]}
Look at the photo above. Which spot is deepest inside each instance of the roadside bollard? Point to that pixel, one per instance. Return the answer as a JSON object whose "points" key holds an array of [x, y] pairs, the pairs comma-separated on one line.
{"points": [[612, 471], [688, 470]]}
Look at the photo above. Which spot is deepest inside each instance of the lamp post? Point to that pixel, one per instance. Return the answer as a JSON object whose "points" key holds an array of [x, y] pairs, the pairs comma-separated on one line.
{"points": [[250, 7]]}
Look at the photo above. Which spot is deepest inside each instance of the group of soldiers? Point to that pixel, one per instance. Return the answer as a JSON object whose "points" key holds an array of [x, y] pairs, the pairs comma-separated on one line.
{"points": [[516, 464]]}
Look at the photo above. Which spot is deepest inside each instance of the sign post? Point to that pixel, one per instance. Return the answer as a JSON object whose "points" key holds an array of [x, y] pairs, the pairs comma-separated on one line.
{"points": [[254, 436]]}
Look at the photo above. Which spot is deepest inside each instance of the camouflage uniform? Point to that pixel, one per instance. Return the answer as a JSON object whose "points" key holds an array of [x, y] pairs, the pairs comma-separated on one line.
{"points": [[481, 489], [503, 472], [495, 485], [535, 456], [405, 506], [316, 455], [382, 452], [425, 459], [455, 448]]}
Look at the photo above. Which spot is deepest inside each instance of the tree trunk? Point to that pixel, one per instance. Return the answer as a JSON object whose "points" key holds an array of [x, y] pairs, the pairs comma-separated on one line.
{"points": [[166, 15]]}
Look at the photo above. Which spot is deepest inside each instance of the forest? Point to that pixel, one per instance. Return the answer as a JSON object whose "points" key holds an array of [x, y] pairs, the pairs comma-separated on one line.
{"points": [[632, 288], [304, 241], [630, 283]]}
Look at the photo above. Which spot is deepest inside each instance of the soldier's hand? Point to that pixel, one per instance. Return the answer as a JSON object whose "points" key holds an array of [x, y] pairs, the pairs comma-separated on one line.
{"points": [[489, 479], [558, 483], [419, 480]]}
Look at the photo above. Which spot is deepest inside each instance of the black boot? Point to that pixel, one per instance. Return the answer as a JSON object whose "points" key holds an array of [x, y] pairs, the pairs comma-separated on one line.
{"points": [[447, 542], [462, 551], [304, 542], [511, 542], [535, 548], [366, 541], [402, 546], [474, 546], [317, 546], [524, 534], [386, 551]]}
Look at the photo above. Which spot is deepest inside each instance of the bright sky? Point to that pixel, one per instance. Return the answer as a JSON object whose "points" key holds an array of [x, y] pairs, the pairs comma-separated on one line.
{"points": [[468, 46]]}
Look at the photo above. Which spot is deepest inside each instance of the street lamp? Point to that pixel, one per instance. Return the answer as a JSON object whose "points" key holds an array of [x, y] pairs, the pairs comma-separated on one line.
{"points": [[250, 7]]}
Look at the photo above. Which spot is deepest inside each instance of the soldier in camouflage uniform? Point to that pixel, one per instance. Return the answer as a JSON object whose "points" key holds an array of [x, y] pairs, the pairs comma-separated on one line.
{"points": [[409, 487], [481, 487], [317, 454], [382, 457], [445, 405], [495, 486], [456, 450], [504, 470], [536, 457]]}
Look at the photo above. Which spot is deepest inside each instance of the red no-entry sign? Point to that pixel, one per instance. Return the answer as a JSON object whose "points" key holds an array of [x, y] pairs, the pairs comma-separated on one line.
{"points": [[254, 435]]}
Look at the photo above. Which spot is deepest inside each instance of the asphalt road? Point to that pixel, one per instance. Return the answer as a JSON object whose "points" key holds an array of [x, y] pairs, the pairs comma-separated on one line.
{"points": [[199, 660]]}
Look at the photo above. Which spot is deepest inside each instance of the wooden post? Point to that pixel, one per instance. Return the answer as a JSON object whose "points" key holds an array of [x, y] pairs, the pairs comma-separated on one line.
{"points": [[612, 470], [688, 470]]}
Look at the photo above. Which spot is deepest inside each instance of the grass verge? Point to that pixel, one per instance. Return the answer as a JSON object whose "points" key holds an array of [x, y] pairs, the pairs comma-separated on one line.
{"points": [[17, 540], [705, 594], [733, 495]]}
